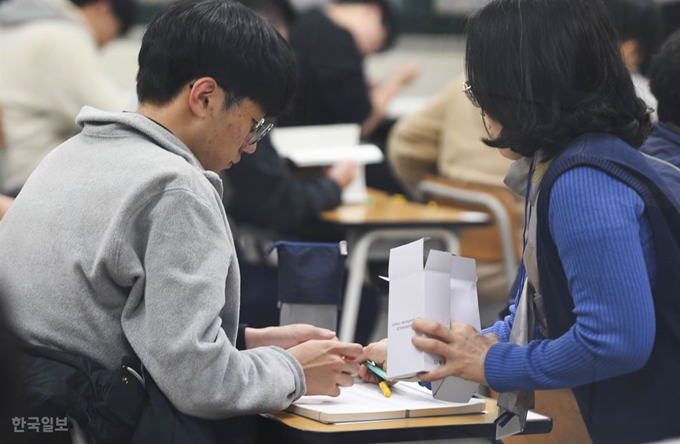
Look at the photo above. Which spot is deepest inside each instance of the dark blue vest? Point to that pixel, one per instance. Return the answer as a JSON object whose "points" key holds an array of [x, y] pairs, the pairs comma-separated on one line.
{"points": [[642, 406]]}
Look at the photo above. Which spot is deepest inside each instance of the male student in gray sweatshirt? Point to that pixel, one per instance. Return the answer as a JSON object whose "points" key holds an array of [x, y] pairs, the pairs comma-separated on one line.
{"points": [[119, 242]]}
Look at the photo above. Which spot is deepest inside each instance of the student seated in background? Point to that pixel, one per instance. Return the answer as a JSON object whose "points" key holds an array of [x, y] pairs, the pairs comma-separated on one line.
{"points": [[331, 45], [268, 203], [445, 138], [640, 33], [599, 310], [664, 81], [51, 70], [284, 202], [121, 238]]}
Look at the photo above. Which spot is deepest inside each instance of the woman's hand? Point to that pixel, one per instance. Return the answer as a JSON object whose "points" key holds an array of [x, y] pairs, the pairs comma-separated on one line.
{"points": [[463, 348]]}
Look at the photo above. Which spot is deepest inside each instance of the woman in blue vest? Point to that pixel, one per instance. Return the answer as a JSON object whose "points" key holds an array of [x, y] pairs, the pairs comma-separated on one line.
{"points": [[598, 308]]}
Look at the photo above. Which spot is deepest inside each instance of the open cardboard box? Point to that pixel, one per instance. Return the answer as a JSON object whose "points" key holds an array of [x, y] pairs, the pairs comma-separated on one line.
{"points": [[442, 289]]}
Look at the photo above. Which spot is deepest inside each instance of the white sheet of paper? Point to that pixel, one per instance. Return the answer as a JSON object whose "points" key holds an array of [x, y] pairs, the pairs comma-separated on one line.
{"points": [[366, 402]]}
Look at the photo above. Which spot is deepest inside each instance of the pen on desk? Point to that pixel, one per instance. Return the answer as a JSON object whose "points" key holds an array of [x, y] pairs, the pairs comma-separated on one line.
{"points": [[381, 375]]}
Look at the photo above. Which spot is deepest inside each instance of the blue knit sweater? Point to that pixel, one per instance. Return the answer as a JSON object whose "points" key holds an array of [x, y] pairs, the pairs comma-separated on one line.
{"points": [[608, 246], [605, 243]]}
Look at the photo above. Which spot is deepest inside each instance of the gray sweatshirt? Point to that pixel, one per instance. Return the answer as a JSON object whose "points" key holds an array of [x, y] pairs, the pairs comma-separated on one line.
{"points": [[119, 239]]}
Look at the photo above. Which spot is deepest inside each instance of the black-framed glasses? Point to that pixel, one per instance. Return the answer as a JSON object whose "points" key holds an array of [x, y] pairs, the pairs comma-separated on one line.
{"points": [[467, 89]]}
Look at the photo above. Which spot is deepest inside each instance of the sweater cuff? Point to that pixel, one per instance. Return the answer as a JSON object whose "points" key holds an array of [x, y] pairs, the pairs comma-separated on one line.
{"points": [[241, 337], [504, 367]]}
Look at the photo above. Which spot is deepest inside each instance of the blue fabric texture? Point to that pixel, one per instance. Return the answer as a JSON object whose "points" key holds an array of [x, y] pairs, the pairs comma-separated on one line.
{"points": [[664, 143], [309, 272], [608, 243]]}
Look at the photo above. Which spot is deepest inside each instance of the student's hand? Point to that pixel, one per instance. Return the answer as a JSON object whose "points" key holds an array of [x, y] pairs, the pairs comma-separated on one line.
{"points": [[343, 173], [463, 348], [328, 365], [285, 337], [406, 73], [376, 352]]}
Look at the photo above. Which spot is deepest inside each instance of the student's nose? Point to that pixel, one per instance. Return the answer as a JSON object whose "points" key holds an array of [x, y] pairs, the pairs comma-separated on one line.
{"points": [[248, 149]]}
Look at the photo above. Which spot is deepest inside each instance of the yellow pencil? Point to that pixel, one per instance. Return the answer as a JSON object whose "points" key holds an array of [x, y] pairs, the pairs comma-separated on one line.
{"points": [[385, 389]]}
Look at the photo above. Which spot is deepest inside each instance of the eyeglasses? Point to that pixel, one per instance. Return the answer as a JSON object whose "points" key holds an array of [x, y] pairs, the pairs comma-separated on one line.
{"points": [[467, 89], [260, 127]]}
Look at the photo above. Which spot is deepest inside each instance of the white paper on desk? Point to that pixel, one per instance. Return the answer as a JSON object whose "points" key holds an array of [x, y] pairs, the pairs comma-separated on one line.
{"points": [[464, 308], [366, 402]]}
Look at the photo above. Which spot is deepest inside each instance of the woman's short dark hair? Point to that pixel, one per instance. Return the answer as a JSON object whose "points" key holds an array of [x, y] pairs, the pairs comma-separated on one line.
{"points": [[220, 39], [549, 71], [664, 80], [124, 10]]}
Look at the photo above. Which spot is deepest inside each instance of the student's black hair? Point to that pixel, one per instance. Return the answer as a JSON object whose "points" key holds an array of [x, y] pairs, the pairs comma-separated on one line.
{"points": [[664, 80], [281, 9], [220, 39], [389, 20], [124, 10], [549, 71], [638, 20]]}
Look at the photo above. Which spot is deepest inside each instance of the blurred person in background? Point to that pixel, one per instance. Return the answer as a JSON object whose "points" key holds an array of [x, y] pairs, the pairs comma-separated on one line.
{"points": [[444, 138], [331, 45], [51, 69], [640, 34], [664, 81], [285, 202], [286, 205], [664, 142]]}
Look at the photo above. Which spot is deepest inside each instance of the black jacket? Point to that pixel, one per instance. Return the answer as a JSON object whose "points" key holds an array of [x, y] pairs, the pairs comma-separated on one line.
{"points": [[112, 406]]}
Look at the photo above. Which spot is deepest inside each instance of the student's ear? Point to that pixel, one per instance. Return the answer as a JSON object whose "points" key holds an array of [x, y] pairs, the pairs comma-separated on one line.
{"points": [[203, 96]]}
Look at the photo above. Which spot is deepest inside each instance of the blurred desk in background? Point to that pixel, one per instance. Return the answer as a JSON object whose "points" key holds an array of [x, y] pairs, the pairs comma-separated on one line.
{"points": [[391, 218]]}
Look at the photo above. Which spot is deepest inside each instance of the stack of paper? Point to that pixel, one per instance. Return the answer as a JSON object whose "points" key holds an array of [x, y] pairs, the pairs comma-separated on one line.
{"points": [[365, 402], [325, 145]]}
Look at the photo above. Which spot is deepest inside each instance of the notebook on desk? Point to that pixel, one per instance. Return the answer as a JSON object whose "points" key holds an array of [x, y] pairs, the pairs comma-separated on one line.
{"points": [[365, 402]]}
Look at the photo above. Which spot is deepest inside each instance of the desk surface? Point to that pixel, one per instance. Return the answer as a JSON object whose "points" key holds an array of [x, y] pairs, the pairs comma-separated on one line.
{"points": [[384, 210], [299, 429]]}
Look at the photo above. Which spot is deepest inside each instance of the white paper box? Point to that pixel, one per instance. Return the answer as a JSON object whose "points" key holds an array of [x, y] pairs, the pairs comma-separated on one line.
{"points": [[416, 291], [464, 308], [325, 145]]}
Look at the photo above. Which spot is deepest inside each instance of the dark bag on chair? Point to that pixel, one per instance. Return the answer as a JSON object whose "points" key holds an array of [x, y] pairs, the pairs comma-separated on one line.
{"points": [[310, 272], [310, 281]]}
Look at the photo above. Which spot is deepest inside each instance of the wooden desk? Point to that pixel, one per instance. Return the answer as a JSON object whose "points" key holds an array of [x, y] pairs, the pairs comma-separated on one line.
{"points": [[287, 427], [385, 217]]}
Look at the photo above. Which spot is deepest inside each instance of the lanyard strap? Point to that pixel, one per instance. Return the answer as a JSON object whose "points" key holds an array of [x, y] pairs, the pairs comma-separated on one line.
{"points": [[527, 215]]}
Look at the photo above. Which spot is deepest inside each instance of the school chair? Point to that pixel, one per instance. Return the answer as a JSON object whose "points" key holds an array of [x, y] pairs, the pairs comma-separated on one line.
{"points": [[497, 242]]}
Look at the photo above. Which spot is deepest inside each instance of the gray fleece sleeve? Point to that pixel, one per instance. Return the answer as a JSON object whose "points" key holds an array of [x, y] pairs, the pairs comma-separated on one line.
{"points": [[178, 248]]}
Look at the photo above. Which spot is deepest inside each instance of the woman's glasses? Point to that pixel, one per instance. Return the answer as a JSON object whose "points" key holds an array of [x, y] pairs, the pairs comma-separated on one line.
{"points": [[467, 89]]}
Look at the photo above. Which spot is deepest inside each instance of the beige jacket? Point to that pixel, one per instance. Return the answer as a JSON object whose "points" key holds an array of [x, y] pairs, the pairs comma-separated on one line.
{"points": [[49, 69], [445, 138]]}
